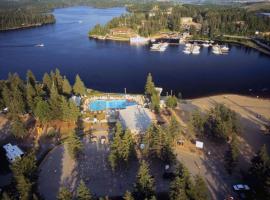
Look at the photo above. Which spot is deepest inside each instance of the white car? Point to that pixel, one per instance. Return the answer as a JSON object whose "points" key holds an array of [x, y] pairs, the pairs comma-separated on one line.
{"points": [[241, 187]]}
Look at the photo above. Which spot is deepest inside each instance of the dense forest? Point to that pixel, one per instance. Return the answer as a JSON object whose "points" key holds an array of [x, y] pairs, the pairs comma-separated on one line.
{"points": [[28, 13], [214, 20]]}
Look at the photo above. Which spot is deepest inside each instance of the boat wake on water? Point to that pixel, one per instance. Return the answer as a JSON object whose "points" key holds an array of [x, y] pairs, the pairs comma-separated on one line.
{"points": [[23, 45]]}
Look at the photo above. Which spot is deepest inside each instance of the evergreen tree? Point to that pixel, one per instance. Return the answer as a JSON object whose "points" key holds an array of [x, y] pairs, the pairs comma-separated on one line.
{"points": [[18, 128], [144, 186], [200, 190], [30, 78], [42, 111], [171, 101], [47, 82], [55, 103], [26, 166], [260, 172], [128, 196], [70, 112], [67, 89], [24, 170], [74, 144], [149, 86], [79, 88], [178, 189], [114, 155], [24, 187], [64, 194], [232, 155], [83, 193], [127, 146], [30, 95], [58, 80], [174, 128], [155, 102]]}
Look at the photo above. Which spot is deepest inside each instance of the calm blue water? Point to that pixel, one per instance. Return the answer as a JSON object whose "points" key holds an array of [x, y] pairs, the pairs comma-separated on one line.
{"points": [[113, 66], [99, 105]]}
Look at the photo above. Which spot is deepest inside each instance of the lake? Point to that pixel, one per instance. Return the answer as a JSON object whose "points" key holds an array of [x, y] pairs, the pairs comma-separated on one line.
{"points": [[112, 66]]}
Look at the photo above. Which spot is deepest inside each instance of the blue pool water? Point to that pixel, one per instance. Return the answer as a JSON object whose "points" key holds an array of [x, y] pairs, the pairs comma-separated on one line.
{"points": [[99, 105]]}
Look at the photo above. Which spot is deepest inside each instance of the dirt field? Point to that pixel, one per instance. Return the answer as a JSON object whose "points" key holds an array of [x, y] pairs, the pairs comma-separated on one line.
{"points": [[253, 113]]}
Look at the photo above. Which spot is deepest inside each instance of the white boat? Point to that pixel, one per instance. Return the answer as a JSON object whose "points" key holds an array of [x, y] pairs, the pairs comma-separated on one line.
{"points": [[80, 21], [216, 49], [224, 48], [188, 45], [206, 44], [40, 45], [187, 51], [196, 49], [159, 47]]}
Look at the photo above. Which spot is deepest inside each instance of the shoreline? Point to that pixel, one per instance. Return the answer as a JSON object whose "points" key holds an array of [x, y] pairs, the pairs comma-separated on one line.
{"points": [[250, 44], [26, 27]]}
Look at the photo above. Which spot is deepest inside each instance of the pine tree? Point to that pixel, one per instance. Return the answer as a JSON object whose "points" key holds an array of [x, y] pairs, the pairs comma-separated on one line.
{"points": [[64, 194], [149, 86], [58, 80], [83, 193], [55, 103], [67, 89], [127, 146], [42, 111], [18, 128], [30, 95], [200, 189], [128, 196], [232, 155], [174, 128], [24, 187], [26, 166], [116, 145], [47, 82], [178, 189], [79, 88], [74, 144], [260, 171], [144, 186], [30, 78], [171, 101]]}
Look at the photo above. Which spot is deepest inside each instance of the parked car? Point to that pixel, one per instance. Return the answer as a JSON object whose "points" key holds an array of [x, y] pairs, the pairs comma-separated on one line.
{"points": [[241, 187]]}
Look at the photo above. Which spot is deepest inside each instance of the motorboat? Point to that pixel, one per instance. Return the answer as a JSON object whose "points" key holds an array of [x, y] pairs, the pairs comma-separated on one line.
{"points": [[206, 45], [40, 45]]}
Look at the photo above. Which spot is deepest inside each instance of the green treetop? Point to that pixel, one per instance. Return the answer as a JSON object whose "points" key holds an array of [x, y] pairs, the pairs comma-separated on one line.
{"points": [[74, 144], [144, 186], [79, 88], [128, 196], [83, 193], [67, 89], [149, 86], [64, 194]]}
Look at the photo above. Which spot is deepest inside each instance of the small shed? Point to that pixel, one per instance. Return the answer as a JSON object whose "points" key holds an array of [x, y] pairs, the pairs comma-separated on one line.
{"points": [[12, 152]]}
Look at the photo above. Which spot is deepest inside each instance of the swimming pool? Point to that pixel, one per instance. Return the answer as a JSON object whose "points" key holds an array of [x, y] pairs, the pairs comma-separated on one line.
{"points": [[99, 105]]}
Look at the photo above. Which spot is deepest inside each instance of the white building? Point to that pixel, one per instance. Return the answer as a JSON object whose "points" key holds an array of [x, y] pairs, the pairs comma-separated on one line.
{"points": [[12, 152], [138, 40], [136, 118], [76, 99]]}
